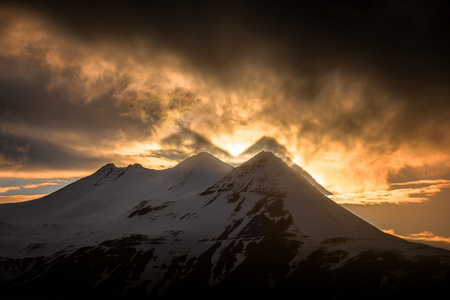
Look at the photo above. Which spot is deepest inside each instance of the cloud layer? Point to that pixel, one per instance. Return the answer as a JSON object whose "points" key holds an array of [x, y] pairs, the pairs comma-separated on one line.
{"points": [[424, 237], [399, 193]]}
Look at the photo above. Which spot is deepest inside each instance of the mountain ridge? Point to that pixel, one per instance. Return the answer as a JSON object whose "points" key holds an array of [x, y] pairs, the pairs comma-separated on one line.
{"points": [[204, 228]]}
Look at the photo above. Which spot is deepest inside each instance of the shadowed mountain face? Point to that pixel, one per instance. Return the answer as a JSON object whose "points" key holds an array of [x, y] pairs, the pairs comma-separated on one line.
{"points": [[206, 229]]}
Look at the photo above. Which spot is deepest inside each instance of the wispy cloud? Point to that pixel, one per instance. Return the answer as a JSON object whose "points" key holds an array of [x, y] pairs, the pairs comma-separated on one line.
{"points": [[16, 155], [27, 186], [400, 193], [425, 236], [19, 198], [430, 182], [26, 189], [70, 174]]}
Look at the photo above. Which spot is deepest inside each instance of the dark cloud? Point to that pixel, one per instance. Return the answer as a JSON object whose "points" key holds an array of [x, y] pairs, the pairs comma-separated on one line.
{"points": [[170, 154], [43, 129], [13, 155], [193, 142], [400, 46], [26, 98], [399, 36], [37, 154], [416, 173], [267, 144]]}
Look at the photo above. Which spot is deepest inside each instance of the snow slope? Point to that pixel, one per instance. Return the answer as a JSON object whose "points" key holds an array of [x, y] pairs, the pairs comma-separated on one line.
{"points": [[260, 228], [102, 199]]}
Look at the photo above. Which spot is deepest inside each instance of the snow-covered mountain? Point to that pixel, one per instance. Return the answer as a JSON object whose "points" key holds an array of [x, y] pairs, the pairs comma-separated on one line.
{"points": [[204, 228], [270, 144]]}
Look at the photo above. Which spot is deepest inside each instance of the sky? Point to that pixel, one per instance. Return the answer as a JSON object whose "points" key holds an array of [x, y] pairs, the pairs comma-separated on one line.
{"points": [[356, 91]]}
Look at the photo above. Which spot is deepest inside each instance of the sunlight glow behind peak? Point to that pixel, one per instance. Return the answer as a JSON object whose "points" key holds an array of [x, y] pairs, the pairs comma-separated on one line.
{"points": [[235, 149], [237, 143]]}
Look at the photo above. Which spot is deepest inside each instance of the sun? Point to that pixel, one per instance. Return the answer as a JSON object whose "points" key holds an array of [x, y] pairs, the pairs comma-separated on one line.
{"points": [[239, 141], [236, 148], [232, 144]]}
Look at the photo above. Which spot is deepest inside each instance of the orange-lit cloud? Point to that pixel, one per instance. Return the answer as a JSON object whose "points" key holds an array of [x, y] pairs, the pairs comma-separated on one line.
{"points": [[45, 174], [20, 198], [27, 186], [19, 158], [413, 192], [425, 236]]}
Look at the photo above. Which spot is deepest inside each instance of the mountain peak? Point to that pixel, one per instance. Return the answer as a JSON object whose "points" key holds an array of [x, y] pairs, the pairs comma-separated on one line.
{"points": [[266, 159], [267, 143], [198, 160], [198, 172], [108, 168], [266, 155], [204, 155], [135, 166], [203, 161], [263, 168], [107, 171]]}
